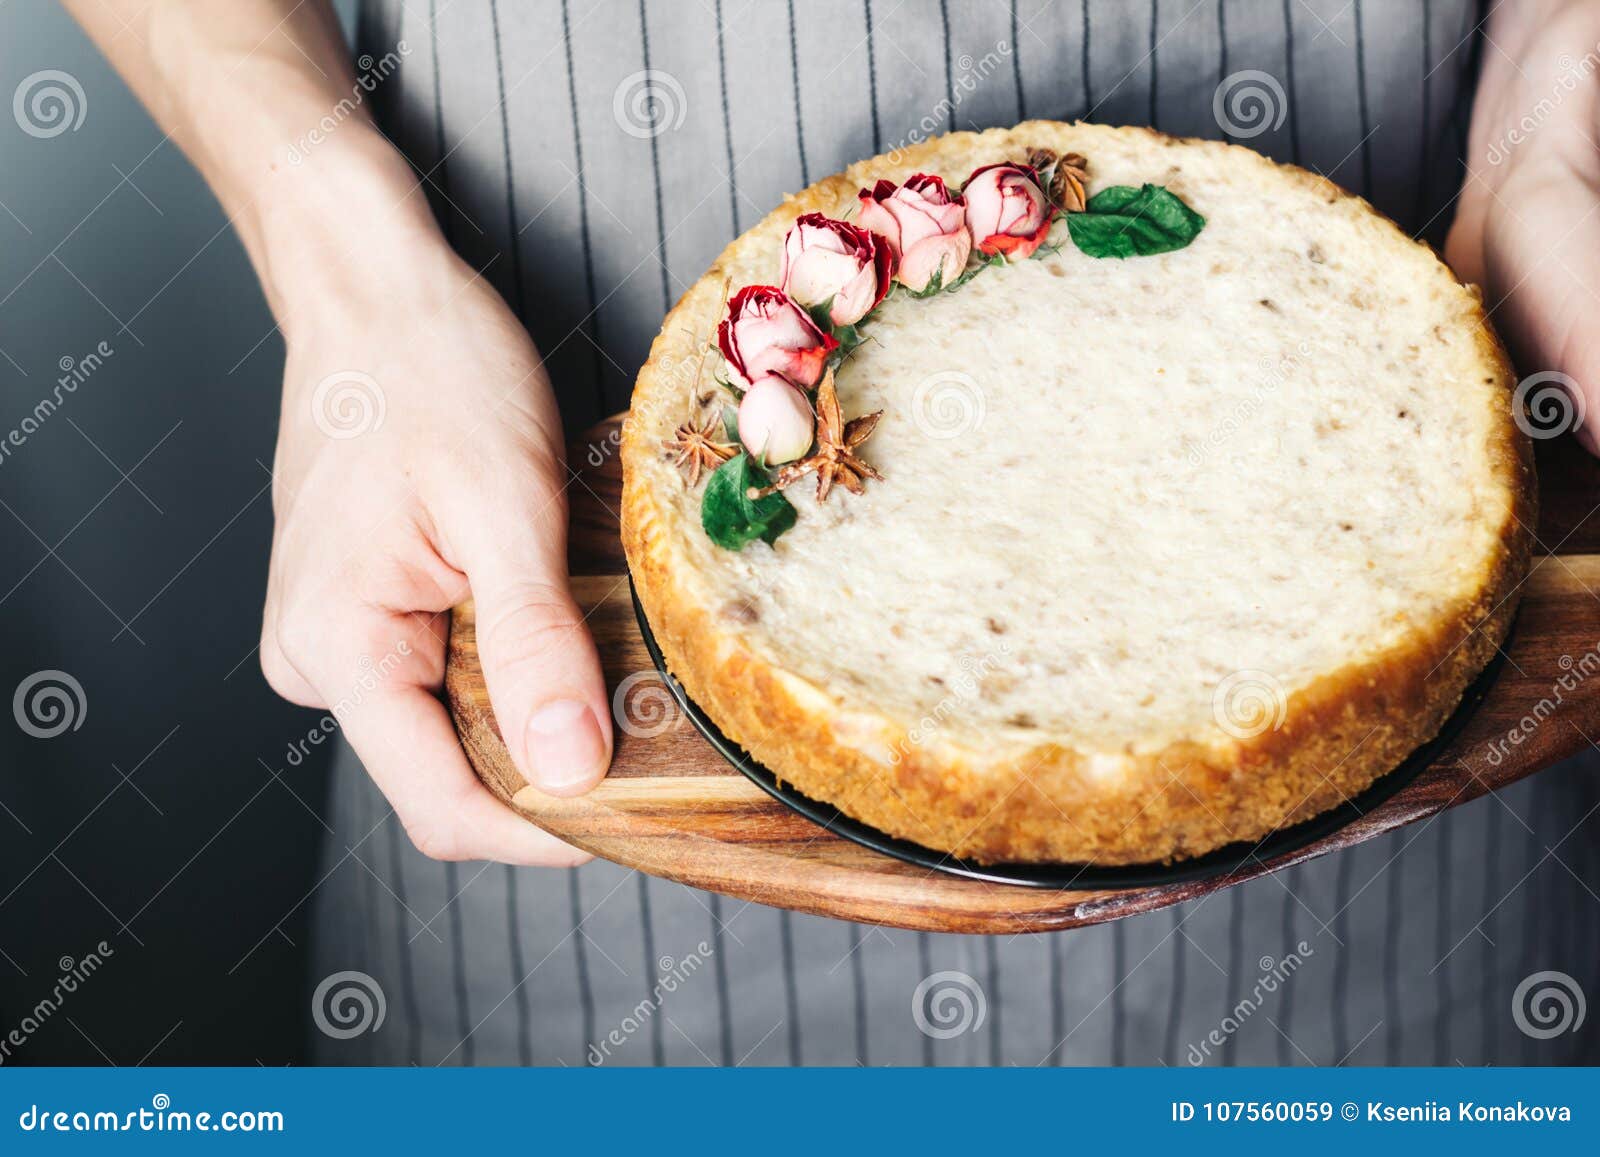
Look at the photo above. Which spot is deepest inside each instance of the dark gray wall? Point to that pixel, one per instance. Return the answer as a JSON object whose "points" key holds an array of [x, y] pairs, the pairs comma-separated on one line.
{"points": [[134, 534]]}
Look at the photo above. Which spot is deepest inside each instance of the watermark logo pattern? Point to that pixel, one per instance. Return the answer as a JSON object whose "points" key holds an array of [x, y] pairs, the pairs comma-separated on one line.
{"points": [[649, 103], [643, 705], [348, 404], [948, 404], [49, 703], [1547, 1004], [347, 1004], [1248, 103], [1547, 404], [1248, 703], [48, 103], [948, 1004]]}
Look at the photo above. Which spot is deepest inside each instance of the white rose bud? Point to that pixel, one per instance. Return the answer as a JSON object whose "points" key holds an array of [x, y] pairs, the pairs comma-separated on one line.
{"points": [[775, 421]]}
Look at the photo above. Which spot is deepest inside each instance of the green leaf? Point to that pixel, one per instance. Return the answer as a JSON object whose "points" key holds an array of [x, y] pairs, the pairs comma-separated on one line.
{"points": [[730, 423], [935, 285], [1126, 222], [731, 518], [848, 336]]}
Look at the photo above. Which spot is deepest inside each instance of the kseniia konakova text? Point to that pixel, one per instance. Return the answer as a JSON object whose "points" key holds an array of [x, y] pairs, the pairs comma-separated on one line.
{"points": [[1469, 1112]]}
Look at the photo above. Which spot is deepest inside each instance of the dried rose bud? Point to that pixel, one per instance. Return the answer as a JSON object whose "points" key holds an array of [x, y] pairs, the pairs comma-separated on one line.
{"points": [[828, 261], [766, 332], [924, 223], [775, 421], [1006, 210]]}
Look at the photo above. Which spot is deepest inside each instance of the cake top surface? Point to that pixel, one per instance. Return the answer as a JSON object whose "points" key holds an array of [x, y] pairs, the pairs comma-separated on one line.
{"points": [[1124, 502]]}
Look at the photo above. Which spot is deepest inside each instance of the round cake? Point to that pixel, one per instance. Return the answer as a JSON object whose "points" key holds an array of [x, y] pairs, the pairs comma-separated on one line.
{"points": [[1079, 494]]}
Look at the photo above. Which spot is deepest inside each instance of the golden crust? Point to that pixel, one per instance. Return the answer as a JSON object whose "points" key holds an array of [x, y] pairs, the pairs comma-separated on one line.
{"points": [[1340, 733]]}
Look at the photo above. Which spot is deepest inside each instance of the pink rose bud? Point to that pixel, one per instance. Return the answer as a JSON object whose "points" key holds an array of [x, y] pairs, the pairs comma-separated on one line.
{"points": [[834, 261], [775, 421], [1006, 210], [766, 332], [925, 225]]}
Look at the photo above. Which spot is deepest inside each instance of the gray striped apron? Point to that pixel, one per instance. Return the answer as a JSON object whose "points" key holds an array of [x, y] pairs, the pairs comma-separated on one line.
{"points": [[1408, 949]]}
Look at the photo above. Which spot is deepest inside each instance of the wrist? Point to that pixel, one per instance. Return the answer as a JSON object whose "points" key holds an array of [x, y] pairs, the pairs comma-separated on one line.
{"points": [[345, 230]]}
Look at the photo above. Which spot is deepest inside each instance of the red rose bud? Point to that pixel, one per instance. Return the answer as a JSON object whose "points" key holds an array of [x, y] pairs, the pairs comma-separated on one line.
{"points": [[1006, 210], [924, 223], [826, 260], [766, 332]]}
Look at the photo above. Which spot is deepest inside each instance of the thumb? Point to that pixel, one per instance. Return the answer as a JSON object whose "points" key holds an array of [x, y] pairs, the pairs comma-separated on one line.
{"points": [[539, 660]]}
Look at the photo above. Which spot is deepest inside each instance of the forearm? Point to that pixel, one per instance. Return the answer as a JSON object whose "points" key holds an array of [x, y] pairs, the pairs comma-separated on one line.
{"points": [[261, 96]]}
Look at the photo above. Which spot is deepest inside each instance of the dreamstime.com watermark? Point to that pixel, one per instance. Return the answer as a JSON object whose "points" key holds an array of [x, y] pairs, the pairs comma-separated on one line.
{"points": [[1274, 975], [75, 371], [965, 687], [671, 975], [372, 675], [968, 76], [160, 1117], [1271, 375], [1574, 673], [370, 73], [1572, 74], [73, 974]]}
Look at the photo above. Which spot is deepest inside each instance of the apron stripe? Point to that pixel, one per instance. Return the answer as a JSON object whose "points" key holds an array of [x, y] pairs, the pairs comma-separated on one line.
{"points": [[519, 968], [580, 953], [1394, 1042], [872, 80], [858, 977], [458, 962], [719, 966], [655, 169], [1016, 62], [799, 122], [591, 321], [1286, 1054]]}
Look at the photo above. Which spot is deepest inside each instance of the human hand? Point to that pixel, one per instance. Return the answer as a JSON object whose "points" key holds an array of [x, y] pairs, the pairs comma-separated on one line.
{"points": [[1527, 227], [419, 451], [419, 461]]}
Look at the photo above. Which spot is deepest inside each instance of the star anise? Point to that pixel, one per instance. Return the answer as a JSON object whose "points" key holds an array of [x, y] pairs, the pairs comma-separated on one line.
{"points": [[834, 459], [1041, 159], [697, 447], [1067, 185]]}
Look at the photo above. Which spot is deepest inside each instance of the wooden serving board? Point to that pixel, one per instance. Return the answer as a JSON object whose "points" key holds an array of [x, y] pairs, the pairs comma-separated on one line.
{"points": [[673, 807]]}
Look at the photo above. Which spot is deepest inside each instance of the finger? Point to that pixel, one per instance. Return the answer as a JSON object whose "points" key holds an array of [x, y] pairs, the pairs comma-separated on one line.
{"points": [[1463, 248], [539, 660], [404, 738], [284, 679], [282, 675]]}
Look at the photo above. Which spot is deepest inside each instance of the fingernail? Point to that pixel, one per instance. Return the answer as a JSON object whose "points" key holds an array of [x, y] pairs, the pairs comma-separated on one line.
{"points": [[566, 751]]}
